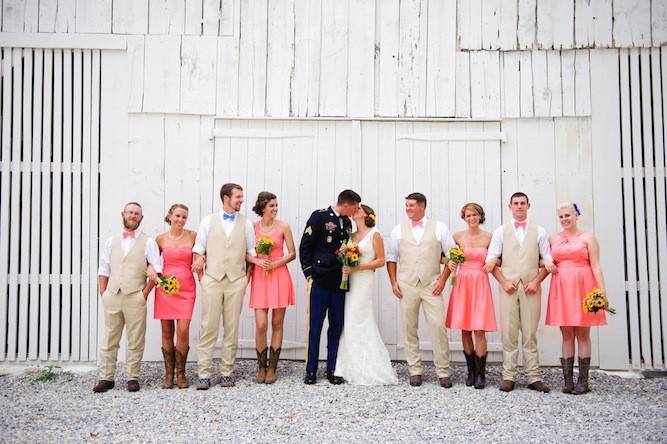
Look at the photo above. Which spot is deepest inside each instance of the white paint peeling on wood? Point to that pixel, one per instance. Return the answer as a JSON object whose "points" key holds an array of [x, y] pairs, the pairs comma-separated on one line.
{"points": [[166, 17], [386, 98], [198, 75], [305, 84]]}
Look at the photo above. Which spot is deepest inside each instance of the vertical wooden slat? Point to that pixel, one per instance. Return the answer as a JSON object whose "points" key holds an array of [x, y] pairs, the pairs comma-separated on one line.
{"points": [[508, 25], [76, 203], [568, 82], [36, 201], [24, 252], [7, 83], [659, 119], [526, 23], [333, 58], [462, 101], [56, 208], [441, 65], [66, 227], [45, 260], [526, 76], [412, 57], [86, 197], [361, 60], [386, 101], [198, 60], [94, 202], [582, 83], [511, 84]]}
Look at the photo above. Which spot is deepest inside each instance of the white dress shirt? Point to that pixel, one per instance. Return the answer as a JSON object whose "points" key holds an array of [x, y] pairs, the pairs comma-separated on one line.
{"points": [[442, 234], [496, 246], [151, 252], [228, 226]]}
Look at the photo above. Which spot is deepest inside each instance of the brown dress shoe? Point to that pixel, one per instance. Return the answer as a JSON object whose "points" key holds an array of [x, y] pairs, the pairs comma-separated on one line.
{"points": [[539, 386], [445, 382], [416, 380], [103, 385], [506, 385], [132, 385]]}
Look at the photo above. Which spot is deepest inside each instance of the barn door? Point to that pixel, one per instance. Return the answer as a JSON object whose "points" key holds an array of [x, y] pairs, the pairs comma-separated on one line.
{"points": [[49, 204]]}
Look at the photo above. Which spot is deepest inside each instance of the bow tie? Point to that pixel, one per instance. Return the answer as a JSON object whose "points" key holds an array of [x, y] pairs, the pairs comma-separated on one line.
{"points": [[127, 234], [520, 224], [229, 217], [418, 223]]}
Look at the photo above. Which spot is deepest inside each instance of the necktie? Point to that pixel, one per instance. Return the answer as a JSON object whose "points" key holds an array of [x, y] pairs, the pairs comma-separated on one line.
{"points": [[229, 217], [127, 234], [520, 224]]}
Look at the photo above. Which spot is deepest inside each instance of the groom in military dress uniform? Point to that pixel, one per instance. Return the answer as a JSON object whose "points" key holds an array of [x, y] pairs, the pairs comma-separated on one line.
{"points": [[325, 231]]}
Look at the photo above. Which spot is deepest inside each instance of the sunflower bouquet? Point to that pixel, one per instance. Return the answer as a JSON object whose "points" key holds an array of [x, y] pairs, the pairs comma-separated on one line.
{"points": [[595, 301], [169, 285], [455, 255], [348, 254], [264, 247]]}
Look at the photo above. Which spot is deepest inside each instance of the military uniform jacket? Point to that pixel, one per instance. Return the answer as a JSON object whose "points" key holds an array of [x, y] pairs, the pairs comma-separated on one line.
{"points": [[322, 237]]}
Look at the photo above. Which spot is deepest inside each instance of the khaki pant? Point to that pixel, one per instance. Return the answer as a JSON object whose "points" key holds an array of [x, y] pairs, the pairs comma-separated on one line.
{"points": [[219, 298], [434, 311], [520, 311], [123, 310]]}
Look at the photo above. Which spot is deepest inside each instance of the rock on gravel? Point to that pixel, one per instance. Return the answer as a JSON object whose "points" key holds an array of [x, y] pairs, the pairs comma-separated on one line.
{"points": [[66, 410]]}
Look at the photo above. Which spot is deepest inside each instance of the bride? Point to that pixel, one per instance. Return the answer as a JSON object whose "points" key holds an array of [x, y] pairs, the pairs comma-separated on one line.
{"points": [[362, 356]]}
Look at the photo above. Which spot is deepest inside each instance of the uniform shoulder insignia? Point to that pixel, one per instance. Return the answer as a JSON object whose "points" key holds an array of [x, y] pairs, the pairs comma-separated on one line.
{"points": [[309, 231], [323, 210]]}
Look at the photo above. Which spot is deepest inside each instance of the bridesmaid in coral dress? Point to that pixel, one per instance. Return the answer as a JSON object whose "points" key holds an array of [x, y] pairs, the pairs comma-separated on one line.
{"points": [[576, 255], [271, 285], [176, 248], [470, 302]]}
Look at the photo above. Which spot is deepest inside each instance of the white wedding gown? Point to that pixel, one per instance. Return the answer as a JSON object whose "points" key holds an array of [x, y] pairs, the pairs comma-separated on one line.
{"points": [[362, 356]]}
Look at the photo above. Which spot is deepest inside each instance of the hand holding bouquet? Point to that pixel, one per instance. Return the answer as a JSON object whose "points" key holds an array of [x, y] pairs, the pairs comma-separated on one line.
{"points": [[348, 254], [264, 247], [169, 285], [456, 255], [596, 300]]}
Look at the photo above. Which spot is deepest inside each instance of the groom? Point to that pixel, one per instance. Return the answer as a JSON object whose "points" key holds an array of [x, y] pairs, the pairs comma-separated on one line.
{"points": [[417, 246], [325, 231]]}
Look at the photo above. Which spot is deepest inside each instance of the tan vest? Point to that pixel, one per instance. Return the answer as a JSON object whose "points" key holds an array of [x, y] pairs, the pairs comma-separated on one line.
{"points": [[419, 262], [225, 256], [128, 273], [520, 262]]}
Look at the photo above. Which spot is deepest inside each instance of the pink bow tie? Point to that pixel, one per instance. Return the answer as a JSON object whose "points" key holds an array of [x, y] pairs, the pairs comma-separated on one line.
{"points": [[127, 234], [416, 223], [520, 224]]}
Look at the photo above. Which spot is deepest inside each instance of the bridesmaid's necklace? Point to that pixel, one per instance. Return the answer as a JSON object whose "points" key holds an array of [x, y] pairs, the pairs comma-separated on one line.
{"points": [[177, 237], [268, 229]]}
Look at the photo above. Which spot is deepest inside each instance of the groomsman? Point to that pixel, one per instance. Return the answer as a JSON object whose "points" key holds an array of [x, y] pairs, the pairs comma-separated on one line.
{"points": [[223, 242], [124, 260], [417, 246], [520, 243], [325, 231]]}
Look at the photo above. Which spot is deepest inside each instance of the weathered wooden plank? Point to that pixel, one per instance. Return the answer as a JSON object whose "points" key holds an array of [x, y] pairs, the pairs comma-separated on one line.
{"points": [[227, 84], [660, 90], [5, 217], [632, 23], [305, 86], [568, 83], [470, 24], [210, 17], [485, 84], [135, 55], [66, 16], [555, 24], [334, 59], [13, 15], [593, 23], [441, 56], [166, 17], [658, 22], [526, 24], [386, 100], [252, 58], [541, 92], [229, 10], [47, 15], [198, 71], [180, 131], [526, 78], [412, 58], [509, 16], [491, 24], [511, 84], [462, 84], [93, 16], [582, 83], [554, 83], [280, 57], [162, 68], [193, 17], [573, 165], [56, 207], [130, 17], [361, 58], [56, 15]]}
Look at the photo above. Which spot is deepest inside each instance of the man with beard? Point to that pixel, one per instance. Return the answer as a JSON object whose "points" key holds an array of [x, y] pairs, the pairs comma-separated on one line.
{"points": [[124, 288]]}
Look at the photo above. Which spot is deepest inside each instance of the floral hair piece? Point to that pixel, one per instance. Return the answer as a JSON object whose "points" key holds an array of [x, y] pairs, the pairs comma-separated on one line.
{"points": [[373, 217]]}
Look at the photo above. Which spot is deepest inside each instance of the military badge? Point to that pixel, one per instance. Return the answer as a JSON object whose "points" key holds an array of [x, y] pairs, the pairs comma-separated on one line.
{"points": [[309, 231], [330, 226]]}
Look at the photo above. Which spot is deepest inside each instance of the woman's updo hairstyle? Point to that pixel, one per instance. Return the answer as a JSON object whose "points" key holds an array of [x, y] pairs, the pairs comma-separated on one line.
{"points": [[263, 199], [370, 218], [477, 208], [171, 211]]}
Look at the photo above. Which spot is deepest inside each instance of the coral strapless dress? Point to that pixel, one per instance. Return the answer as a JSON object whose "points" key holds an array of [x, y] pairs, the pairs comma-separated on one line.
{"points": [[570, 284], [471, 301], [176, 262]]}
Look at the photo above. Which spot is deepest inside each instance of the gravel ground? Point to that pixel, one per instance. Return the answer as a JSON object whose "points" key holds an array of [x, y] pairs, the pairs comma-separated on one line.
{"points": [[66, 410]]}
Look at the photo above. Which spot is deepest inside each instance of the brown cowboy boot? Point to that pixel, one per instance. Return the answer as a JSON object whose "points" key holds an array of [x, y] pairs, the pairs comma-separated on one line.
{"points": [[480, 377], [470, 362], [181, 360], [168, 368], [582, 381], [568, 374], [261, 366], [273, 366]]}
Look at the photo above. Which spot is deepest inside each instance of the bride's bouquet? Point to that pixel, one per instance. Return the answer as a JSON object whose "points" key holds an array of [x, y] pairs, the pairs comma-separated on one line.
{"points": [[348, 255]]}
